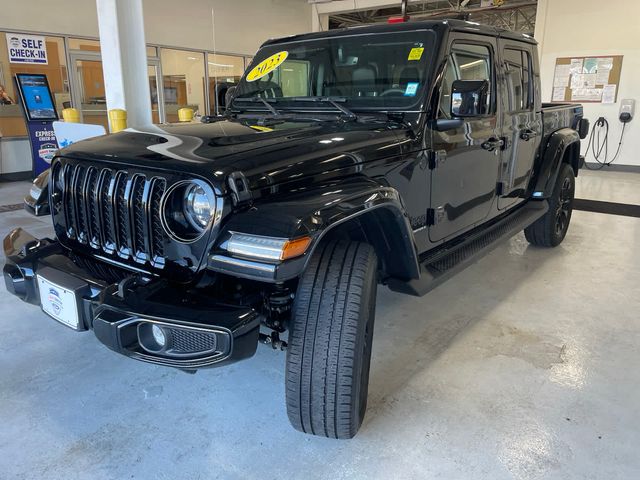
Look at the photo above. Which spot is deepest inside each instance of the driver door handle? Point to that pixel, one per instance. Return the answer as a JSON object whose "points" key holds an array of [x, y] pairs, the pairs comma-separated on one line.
{"points": [[528, 134], [492, 143]]}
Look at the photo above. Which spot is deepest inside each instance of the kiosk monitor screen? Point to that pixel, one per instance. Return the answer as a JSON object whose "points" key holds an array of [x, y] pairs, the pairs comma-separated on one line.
{"points": [[36, 97]]}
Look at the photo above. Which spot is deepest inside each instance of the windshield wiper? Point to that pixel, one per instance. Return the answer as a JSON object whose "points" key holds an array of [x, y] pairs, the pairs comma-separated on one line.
{"points": [[334, 101], [262, 100]]}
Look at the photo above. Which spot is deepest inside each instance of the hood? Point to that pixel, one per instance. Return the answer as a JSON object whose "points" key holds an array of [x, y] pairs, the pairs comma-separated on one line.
{"points": [[266, 155]]}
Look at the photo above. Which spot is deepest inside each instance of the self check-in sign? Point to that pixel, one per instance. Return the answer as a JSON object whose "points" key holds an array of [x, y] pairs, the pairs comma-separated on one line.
{"points": [[26, 48]]}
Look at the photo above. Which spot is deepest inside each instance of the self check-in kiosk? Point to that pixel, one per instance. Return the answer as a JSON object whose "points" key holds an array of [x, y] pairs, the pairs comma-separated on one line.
{"points": [[40, 113]]}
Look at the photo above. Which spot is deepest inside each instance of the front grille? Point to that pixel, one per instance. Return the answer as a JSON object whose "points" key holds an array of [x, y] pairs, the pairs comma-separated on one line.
{"points": [[113, 212]]}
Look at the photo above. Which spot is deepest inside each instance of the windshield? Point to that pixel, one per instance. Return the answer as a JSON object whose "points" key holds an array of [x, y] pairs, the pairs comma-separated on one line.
{"points": [[372, 71]]}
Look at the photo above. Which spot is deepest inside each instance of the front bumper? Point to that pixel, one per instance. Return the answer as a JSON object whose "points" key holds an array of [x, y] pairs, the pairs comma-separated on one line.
{"points": [[202, 331], [36, 207]]}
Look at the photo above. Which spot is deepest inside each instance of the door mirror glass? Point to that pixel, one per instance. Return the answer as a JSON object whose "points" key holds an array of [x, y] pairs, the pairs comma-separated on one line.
{"points": [[228, 95], [469, 98]]}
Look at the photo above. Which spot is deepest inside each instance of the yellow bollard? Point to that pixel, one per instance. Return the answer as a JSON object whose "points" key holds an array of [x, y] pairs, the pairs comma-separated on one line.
{"points": [[71, 115], [185, 114], [117, 119]]}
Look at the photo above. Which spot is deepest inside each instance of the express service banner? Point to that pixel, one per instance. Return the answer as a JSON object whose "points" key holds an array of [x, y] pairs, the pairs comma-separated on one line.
{"points": [[26, 48], [43, 145]]}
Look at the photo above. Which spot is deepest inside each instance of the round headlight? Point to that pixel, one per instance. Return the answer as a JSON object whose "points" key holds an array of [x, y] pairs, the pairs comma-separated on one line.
{"points": [[188, 209], [199, 207]]}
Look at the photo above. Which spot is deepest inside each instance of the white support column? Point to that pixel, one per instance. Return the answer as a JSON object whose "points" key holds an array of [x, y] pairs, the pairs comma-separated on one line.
{"points": [[124, 59], [541, 23], [319, 23]]}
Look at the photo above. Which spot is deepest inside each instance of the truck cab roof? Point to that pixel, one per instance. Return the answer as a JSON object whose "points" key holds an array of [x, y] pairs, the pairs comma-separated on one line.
{"points": [[441, 27]]}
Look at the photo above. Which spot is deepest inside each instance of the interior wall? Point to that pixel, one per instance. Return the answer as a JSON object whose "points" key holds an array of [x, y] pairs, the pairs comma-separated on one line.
{"points": [[240, 25], [592, 28]]}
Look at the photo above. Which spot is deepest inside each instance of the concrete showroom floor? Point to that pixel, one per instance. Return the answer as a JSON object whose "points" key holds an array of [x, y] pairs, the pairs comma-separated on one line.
{"points": [[523, 366]]}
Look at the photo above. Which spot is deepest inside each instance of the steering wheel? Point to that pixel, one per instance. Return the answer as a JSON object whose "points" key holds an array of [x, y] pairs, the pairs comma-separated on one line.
{"points": [[392, 91]]}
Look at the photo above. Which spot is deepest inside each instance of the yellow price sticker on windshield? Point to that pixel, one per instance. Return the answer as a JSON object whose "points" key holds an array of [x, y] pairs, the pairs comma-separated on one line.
{"points": [[267, 66], [416, 53]]}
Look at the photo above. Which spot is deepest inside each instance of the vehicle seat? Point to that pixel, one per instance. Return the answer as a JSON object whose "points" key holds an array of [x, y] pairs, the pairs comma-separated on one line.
{"points": [[364, 81], [270, 90], [407, 75]]}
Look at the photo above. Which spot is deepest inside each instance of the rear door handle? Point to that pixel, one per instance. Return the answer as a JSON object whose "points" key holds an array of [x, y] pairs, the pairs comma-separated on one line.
{"points": [[492, 143], [528, 134]]}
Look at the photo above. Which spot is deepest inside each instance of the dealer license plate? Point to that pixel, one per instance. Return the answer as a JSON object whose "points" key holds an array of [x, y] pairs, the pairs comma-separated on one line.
{"points": [[58, 302]]}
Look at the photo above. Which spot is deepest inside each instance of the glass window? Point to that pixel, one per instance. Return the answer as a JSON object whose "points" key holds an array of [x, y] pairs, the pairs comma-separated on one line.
{"points": [[466, 62], [84, 44], [372, 71], [527, 79], [92, 99], [518, 77], [11, 119], [183, 81], [473, 61], [292, 77], [94, 46], [444, 110], [224, 72]]}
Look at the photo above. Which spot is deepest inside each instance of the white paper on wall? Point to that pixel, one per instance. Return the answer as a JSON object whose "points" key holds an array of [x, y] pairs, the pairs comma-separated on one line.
{"points": [[605, 63], [586, 94], [558, 94], [562, 74], [576, 65], [583, 80], [602, 77], [609, 93], [576, 80], [589, 80]]}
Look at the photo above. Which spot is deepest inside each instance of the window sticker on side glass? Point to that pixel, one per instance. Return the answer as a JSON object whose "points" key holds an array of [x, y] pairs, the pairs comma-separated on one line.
{"points": [[412, 88], [267, 66], [416, 53]]}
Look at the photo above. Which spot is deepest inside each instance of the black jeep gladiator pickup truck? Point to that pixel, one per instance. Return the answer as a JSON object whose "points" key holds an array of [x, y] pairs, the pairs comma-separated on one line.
{"points": [[393, 154]]}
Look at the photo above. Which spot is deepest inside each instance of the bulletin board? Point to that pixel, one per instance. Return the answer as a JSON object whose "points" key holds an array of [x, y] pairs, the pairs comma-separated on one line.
{"points": [[587, 79]]}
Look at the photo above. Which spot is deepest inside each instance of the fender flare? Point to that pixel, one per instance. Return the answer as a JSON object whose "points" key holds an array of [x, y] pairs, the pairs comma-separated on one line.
{"points": [[396, 247], [319, 212], [552, 157]]}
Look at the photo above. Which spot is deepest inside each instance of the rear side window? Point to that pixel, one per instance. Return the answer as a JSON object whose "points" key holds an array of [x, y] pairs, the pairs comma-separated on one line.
{"points": [[518, 64], [466, 62]]}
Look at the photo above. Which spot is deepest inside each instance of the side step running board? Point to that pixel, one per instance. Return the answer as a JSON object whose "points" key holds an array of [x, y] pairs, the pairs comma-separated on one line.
{"points": [[445, 263]]}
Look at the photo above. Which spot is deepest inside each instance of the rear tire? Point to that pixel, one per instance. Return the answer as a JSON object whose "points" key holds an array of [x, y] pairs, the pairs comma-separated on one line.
{"points": [[550, 229], [331, 331]]}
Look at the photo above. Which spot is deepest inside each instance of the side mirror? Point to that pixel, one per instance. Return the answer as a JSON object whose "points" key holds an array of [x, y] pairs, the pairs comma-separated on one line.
{"points": [[228, 96], [469, 98]]}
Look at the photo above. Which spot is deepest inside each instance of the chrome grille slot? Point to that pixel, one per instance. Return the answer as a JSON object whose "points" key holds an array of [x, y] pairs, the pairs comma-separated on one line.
{"points": [[115, 212]]}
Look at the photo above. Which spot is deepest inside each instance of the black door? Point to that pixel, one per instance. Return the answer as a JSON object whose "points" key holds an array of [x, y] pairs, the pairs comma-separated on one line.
{"points": [[521, 122], [465, 173]]}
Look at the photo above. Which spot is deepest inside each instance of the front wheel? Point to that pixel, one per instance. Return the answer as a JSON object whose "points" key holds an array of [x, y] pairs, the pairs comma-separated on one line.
{"points": [[330, 338], [550, 229]]}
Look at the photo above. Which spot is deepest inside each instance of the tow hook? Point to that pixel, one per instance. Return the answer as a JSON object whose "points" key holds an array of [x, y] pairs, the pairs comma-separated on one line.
{"points": [[273, 340]]}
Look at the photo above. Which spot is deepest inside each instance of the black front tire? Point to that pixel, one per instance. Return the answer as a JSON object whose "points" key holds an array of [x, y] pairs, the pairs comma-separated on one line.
{"points": [[550, 229], [331, 331]]}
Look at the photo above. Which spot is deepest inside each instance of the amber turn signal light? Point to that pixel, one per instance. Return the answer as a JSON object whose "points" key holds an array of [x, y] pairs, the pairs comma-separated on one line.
{"points": [[295, 248]]}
